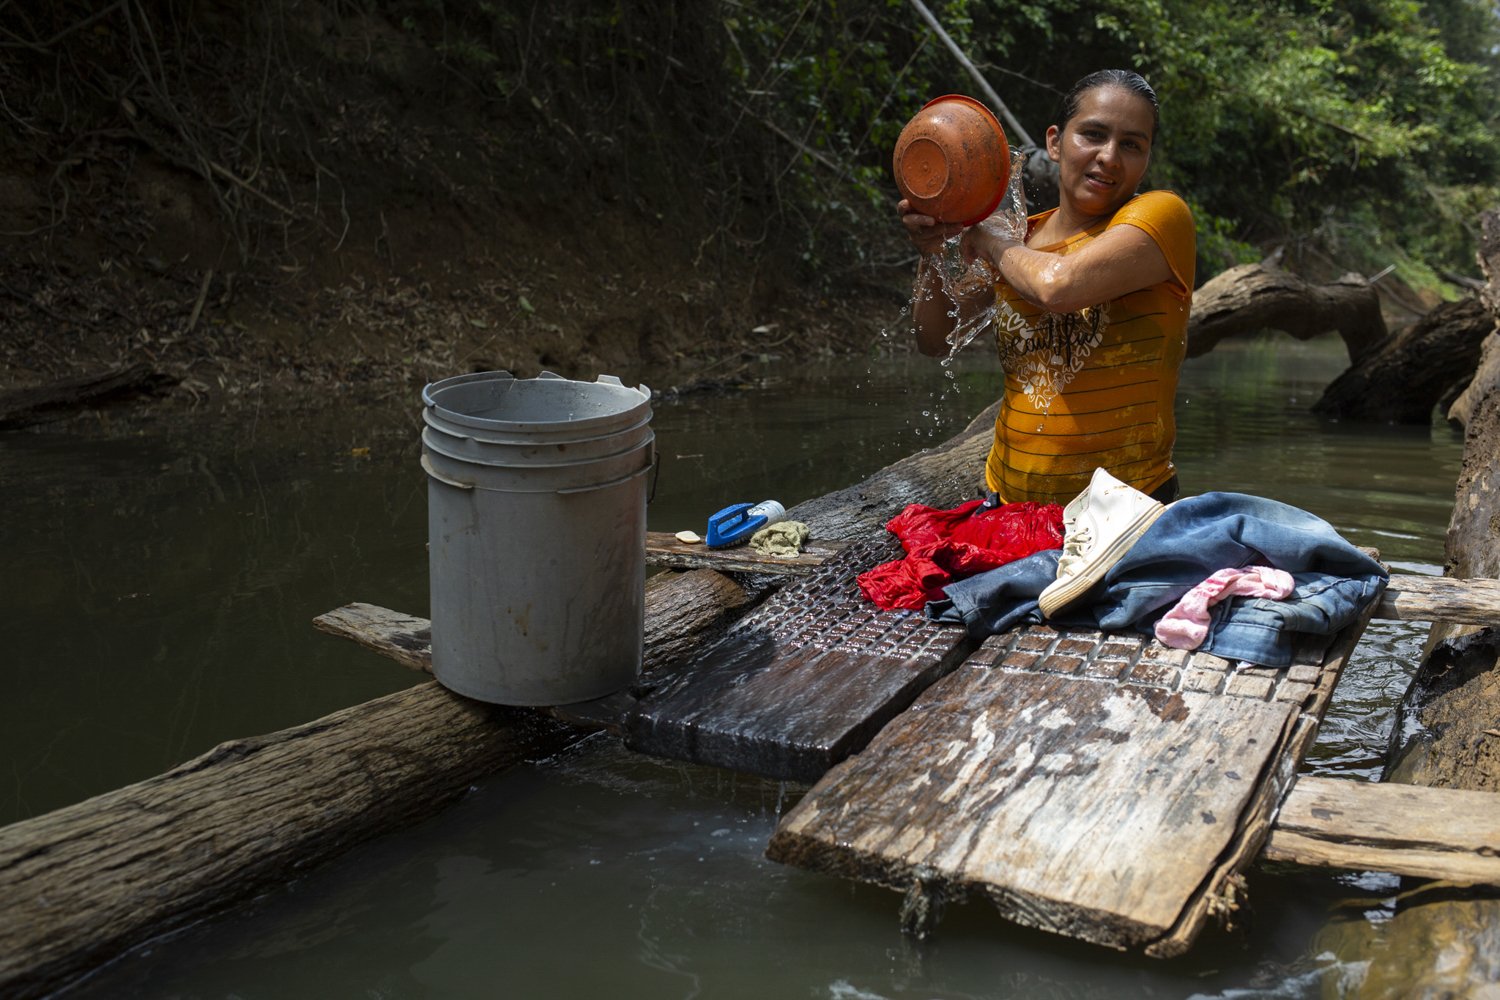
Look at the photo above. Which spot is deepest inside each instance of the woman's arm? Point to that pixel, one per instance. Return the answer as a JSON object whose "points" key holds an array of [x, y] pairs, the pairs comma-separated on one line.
{"points": [[934, 311], [1121, 260]]}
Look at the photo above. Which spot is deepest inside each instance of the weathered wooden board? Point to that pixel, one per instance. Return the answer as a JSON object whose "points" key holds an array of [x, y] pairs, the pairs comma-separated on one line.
{"points": [[801, 682], [1440, 599], [1443, 833], [663, 549], [1100, 786]]}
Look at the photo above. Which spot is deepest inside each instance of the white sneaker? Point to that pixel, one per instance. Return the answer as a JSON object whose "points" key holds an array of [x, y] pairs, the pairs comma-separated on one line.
{"points": [[1099, 526]]}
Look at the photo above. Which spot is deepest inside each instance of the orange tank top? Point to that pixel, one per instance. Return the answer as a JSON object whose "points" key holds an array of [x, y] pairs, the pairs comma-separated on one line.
{"points": [[1094, 387]]}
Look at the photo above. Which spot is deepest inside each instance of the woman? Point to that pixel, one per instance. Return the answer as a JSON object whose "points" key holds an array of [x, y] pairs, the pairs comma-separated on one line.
{"points": [[1091, 306]]}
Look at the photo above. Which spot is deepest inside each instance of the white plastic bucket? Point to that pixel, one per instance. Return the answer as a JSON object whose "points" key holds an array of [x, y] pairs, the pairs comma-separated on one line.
{"points": [[536, 515]]}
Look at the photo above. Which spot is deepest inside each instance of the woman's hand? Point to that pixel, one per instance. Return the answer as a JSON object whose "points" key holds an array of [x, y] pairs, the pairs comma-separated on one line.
{"points": [[926, 233]]}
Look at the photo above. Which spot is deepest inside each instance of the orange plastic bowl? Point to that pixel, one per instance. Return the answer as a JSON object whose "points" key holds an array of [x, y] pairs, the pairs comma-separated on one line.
{"points": [[952, 161]]}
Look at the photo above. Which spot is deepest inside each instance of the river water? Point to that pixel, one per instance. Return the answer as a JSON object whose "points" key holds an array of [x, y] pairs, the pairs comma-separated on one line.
{"points": [[158, 595]]}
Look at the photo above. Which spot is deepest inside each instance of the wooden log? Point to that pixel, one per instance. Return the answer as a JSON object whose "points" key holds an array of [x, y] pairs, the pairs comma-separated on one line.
{"points": [[1255, 297], [1448, 715], [682, 612], [1440, 599], [685, 606], [1486, 377], [941, 476], [1403, 379], [85, 883], [38, 404], [1455, 694], [1440, 833]]}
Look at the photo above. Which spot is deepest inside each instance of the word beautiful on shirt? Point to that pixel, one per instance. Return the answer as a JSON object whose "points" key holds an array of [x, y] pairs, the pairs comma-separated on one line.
{"points": [[1046, 351]]}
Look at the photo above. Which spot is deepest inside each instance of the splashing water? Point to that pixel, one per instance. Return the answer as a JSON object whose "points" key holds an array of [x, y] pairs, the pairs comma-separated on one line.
{"points": [[961, 278]]}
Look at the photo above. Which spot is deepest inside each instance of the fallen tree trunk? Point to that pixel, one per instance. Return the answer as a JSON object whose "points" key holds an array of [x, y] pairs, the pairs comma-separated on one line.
{"points": [[1255, 297], [1487, 377], [39, 404], [1456, 691], [1405, 377], [86, 883]]}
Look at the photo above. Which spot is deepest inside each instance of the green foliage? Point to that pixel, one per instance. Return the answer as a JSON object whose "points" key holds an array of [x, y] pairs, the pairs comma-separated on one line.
{"points": [[1285, 121], [1364, 128], [1286, 115]]}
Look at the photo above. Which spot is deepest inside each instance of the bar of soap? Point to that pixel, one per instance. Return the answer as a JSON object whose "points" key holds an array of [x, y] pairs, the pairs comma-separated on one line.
{"points": [[688, 537]]}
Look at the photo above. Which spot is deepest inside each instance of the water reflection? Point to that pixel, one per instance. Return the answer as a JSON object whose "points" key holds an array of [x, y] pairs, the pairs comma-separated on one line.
{"points": [[160, 589]]}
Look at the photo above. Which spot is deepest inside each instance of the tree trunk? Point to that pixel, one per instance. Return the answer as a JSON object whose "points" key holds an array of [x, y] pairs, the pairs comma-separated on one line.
{"points": [[1254, 297], [85, 883], [1487, 377], [1404, 378], [1440, 943], [1457, 690], [39, 404]]}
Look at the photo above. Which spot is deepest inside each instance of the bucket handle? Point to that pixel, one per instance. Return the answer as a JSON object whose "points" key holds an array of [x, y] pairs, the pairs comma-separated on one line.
{"points": [[427, 467]]}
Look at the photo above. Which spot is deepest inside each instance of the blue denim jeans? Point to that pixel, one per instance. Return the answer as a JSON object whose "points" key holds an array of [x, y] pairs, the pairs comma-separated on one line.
{"points": [[1192, 539]]}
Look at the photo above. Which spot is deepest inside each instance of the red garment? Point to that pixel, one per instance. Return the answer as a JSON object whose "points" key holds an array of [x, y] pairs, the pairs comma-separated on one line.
{"points": [[946, 545]]}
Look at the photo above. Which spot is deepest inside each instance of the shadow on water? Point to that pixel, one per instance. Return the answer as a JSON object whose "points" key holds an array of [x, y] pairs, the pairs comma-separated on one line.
{"points": [[160, 590]]}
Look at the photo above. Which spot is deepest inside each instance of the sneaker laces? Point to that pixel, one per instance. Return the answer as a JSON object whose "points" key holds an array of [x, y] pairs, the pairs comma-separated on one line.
{"points": [[1075, 546]]}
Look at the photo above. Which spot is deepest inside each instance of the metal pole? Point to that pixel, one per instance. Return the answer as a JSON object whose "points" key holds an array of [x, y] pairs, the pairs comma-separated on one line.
{"points": [[989, 92]]}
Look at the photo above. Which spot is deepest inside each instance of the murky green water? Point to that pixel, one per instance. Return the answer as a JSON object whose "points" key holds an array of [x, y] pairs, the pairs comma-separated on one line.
{"points": [[158, 593]]}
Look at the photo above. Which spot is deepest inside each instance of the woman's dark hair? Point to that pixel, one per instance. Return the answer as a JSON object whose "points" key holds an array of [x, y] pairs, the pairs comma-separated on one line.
{"points": [[1124, 79]]}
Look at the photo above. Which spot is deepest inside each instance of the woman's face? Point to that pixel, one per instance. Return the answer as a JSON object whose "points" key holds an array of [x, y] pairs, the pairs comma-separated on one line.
{"points": [[1102, 151]]}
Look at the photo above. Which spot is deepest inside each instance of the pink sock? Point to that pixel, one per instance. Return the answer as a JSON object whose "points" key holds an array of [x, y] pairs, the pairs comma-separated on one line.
{"points": [[1186, 625]]}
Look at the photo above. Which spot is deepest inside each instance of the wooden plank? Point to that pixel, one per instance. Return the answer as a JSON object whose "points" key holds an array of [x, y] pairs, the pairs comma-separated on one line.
{"points": [[1324, 822], [1440, 833], [802, 681], [680, 608], [663, 549], [397, 636], [1102, 787], [1038, 791], [1466, 601]]}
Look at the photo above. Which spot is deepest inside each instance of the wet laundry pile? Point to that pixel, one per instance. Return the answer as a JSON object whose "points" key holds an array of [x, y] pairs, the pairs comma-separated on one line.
{"points": [[1240, 576]]}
